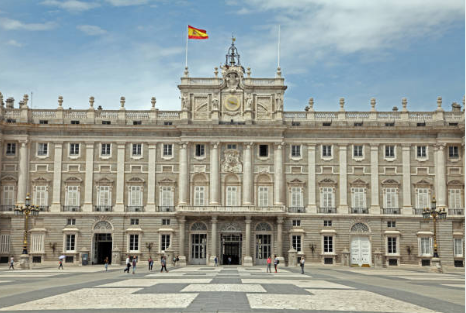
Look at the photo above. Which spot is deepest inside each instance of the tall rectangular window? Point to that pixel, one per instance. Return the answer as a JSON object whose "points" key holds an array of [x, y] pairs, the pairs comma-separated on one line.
{"points": [[199, 195], [389, 151], [453, 152], [70, 242], [296, 197], [231, 195], [357, 151], [103, 197], [200, 150], [8, 195], [74, 149], [4, 243], [326, 151], [167, 150], [106, 149], [10, 148], [72, 196], [42, 149], [425, 246], [359, 197], [422, 198], [165, 242], [390, 196], [328, 244], [296, 242], [134, 242], [391, 245], [327, 198], [458, 247], [137, 149], [166, 196], [263, 150], [454, 199], [135, 196], [421, 151], [41, 196], [295, 151], [263, 196]]}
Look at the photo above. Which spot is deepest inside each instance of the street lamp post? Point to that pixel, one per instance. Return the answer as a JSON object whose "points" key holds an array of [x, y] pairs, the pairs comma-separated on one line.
{"points": [[435, 214], [26, 210]]}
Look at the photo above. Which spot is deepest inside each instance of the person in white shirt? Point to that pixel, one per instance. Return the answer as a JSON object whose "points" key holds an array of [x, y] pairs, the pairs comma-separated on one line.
{"points": [[128, 264], [301, 263]]}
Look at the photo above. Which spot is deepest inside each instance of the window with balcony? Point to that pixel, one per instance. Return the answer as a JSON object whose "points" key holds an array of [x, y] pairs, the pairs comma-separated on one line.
{"points": [[167, 150], [296, 197], [104, 199], [358, 195], [263, 196], [295, 151], [199, 195], [422, 198], [454, 199], [232, 196], [296, 242], [41, 196], [137, 150], [390, 198], [9, 196], [166, 197], [72, 196], [135, 196], [328, 244], [327, 197], [42, 149], [106, 150], [74, 149], [10, 149], [200, 150]]}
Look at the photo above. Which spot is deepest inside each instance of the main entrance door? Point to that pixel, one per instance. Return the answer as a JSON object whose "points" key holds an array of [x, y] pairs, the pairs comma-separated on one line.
{"points": [[231, 249], [263, 248], [198, 249], [360, 251], [102, 248]]}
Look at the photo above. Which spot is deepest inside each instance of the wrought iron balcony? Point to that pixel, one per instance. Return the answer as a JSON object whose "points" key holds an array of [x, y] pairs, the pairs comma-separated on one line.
{"points": [[134, 208], [71, 208], [7, 207], [418, 211], [327, 210], [359, 211], [455, 211], [166, 208], [103, 208], [297, 209], [391, 211]]}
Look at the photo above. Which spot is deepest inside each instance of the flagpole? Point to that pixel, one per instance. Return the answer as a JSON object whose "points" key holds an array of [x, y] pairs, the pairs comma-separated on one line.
{"points": [[278, 61], [187, 35]]}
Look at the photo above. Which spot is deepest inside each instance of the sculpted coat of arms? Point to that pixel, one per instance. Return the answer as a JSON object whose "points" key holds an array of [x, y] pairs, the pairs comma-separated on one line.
{"points": [[231, 162]]}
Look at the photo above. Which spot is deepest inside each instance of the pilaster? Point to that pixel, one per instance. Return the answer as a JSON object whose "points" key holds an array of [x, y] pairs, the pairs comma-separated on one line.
{"points": [[247, 260], [150, 206], [89, 180], [57, 165], [120, 185], [440, 174], [311, 173], [279, 251], [181, 252], [247, 175], [214, 174], [22, 171], [184, 175], [407, 207], [375, 206], [278, 169], [343, 207], [213, 241]]}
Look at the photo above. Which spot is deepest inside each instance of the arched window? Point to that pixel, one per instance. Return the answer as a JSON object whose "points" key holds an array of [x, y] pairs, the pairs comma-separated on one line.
{"points": [[360, 228], [263, 227], [198, 226]]}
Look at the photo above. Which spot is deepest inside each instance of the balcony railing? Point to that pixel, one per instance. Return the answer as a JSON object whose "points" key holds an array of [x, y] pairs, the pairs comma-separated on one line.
{"points": [[103, 208], [359, 211], [134, 208], [166, 208], [418, 211], [7, 207], [298, 209], [232, 209], [71, 208], [327, 210], [43, 208], [391, 211], [455, 212]]}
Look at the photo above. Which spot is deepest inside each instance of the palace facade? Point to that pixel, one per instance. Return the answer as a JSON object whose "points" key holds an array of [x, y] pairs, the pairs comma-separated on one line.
{"points": [[232, 175]]}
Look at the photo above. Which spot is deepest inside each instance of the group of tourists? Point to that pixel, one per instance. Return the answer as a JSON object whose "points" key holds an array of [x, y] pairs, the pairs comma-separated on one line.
{"points": [[132, 262], [276, 261]]}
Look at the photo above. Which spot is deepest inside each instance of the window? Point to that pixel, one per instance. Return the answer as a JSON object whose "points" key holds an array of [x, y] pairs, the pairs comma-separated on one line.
{"points": [[327, 199], [389, 151], [8, 195], [37, 242], [425, 246], [327, 223], [167, 150], [165, 242], [328, 244], [103, 196], [454, 201], [453, 152], [106, 122], [326, 151], [263, 196], [200, 150], [41, 196], [357, 151], [421, 151], [135, 196], [166, 196], [199, 195], [359, 197], [11, 148], [296, 242], [134, 221], [71, 221], [231, 196], [43, 122], [42, 149], [390, 198], [263, 151], [458, 247], [70, 242], [167, 123], [137, 149], [74, 122], [295, 151], [74, 149], [296, 197], [422, 198], [72, 196], [4, 243], [391, 245], [231, 146], [133, 242], [391, 224], [106, 149], [165, 221], [296, 222], [137, 122]]}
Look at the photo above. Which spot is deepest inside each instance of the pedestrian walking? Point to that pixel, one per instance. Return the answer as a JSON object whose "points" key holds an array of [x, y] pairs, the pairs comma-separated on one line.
{"points": [[12, 263], [151, 263], [216, 261], [134, 264], [301, 263], [275, 263], [128, 264], [60, 264], [106, 263], [229, 260], [164, 264], [269, 264]]}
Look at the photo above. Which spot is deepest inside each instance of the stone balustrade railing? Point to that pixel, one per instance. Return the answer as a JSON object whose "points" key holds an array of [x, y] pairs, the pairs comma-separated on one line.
{"points": [[231, 209]]}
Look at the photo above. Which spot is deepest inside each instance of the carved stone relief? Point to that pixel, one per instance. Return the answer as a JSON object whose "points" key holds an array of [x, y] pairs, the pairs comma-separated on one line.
{"points": [[201, 108], [231, 162]]}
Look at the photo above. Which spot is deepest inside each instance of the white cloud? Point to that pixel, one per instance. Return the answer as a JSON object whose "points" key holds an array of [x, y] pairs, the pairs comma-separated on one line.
{"points": [[71, 5], [14, 43], [124, 3], [91, 30], [10, 24], [243, 11]]}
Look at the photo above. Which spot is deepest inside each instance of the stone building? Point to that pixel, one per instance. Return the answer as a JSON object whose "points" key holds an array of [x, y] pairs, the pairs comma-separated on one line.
{"points": [[235, 176]]}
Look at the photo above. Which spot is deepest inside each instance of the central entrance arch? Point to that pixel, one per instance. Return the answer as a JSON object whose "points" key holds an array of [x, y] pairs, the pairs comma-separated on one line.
{"points": [[231, 247], [102, 242], [360, 245], [198, 243]]}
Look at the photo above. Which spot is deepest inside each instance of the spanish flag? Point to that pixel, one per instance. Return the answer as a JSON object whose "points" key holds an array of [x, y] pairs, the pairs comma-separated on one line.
{"points": [[196, 33]]}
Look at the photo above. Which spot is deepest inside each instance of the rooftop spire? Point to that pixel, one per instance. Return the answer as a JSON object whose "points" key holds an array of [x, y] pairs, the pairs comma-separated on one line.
{"points": [[232, 57]]}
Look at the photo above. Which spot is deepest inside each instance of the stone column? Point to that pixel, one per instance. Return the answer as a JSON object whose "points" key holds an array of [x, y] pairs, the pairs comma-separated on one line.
{"points": [[89, 180], [120, 185], [213, 242], [279, 251], [375, 207], [22, 172], [407, 207], [279, 179], [57, 164], [441, 177], [184, 175], [343, 207], [181, 253], [247, 260], [150, 206], [214, 174], [247, 175], [311, 173]]}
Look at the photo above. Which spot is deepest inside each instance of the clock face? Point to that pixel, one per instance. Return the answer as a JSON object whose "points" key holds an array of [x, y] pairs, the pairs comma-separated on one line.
{"points": [[232, 103]]}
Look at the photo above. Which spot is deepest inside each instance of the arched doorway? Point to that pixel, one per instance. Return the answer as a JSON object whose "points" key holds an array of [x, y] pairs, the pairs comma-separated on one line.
{"points": [[360, 245], [231, 248], [263, 246], [102, 242], [198, 243]]}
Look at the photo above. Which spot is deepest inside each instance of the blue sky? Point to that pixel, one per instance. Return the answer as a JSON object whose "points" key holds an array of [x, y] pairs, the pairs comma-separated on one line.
{"points": [[355, 49]]}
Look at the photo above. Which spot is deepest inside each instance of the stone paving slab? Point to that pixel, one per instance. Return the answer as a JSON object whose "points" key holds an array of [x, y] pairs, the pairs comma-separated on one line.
{"points": [[299, 283], [224, 288], [152, 282]]}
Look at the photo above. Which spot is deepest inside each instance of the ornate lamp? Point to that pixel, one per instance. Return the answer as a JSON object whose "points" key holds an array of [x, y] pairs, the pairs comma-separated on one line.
{"points": [[26, 210]]}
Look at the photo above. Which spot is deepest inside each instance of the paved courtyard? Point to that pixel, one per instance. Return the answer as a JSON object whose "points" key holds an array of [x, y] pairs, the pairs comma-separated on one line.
{"points": [[231, 289]]}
